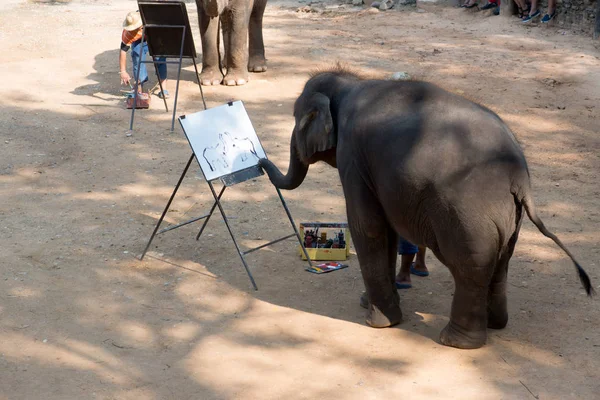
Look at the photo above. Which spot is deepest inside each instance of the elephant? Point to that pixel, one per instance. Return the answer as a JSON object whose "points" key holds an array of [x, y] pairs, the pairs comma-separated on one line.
{"points": [[419, 162], [241, 24]]}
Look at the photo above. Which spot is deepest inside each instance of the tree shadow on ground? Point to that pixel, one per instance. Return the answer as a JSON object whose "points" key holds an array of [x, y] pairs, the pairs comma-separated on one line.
{"points": [[81, 316]]}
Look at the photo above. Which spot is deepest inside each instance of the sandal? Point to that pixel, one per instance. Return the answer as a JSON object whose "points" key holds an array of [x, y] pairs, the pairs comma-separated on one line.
{"points": [[163, 95], [524, 12]]}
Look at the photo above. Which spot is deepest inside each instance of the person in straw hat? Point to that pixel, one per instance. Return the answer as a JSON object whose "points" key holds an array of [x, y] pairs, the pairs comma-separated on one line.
{"points": [[131, 37]]}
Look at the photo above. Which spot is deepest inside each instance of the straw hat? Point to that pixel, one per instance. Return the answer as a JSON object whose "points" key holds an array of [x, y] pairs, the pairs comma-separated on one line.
{"points": [[132, 21]]}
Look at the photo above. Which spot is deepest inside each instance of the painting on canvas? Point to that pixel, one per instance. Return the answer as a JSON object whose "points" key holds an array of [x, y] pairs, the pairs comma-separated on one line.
{"points": [[223, 139]]}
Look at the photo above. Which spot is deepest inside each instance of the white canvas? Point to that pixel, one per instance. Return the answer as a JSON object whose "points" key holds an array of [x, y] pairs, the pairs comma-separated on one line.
{"points": [[223, 140]]}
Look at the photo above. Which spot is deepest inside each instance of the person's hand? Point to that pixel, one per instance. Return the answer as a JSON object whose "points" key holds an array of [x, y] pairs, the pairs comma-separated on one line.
{"points": [[125, 78]]}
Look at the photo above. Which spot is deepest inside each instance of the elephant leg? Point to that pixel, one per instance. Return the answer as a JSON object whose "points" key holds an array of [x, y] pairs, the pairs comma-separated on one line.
{"points": [[256, 59], [376, 246], [472, 259], [209, 31], [497, 302], [235, 36], [467, 328]]}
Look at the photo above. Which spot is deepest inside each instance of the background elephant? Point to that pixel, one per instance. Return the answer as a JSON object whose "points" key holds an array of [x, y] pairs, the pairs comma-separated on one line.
{"points": [[430, 166], [241, 22]]}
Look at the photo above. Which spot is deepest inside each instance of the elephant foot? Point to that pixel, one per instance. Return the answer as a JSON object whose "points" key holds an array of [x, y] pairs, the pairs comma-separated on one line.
{"points": [[378, 318], [235, 79], [210, 77], [454, 336], [257, 64]]}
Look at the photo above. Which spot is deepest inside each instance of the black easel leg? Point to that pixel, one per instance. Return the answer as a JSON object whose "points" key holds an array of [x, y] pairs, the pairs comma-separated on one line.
{"points": [[199, 84], [137, 79], [178, 76], [210, 213], [287, 211], [168, 205], [212, 189]]}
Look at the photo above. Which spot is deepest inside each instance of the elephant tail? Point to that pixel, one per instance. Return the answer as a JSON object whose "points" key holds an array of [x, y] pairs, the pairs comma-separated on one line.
{"points": [[531, 212]]}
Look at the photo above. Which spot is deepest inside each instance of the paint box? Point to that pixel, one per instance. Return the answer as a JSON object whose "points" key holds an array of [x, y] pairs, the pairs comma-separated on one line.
{"points": [[335, 246]]}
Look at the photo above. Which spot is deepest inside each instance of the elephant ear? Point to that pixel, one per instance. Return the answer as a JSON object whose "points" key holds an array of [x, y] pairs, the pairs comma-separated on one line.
{"points": [[315, 130]]}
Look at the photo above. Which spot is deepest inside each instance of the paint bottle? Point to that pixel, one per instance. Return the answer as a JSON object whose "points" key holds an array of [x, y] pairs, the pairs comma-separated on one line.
{"points": [[341, 239]]}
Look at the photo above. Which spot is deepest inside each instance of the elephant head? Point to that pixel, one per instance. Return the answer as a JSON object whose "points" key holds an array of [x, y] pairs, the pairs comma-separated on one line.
{"points": [[313, 139]]}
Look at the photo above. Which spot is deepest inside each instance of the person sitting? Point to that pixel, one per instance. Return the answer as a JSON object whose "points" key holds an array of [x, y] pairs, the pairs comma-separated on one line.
{"points": [[493, 4], [131, 38], [470, 4], [551, 12], [534, 12]]}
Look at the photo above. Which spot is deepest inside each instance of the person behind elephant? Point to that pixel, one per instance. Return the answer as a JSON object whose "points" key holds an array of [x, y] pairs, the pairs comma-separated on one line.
{"points": [[131, 37], [407, 251]]}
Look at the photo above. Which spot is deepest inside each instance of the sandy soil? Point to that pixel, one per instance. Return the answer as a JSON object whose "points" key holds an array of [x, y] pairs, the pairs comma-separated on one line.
{"points": [[82, 318]]}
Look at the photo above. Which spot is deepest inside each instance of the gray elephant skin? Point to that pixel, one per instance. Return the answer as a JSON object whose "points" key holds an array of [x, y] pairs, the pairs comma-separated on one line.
{"points": [[435, 168], [241, 22]]}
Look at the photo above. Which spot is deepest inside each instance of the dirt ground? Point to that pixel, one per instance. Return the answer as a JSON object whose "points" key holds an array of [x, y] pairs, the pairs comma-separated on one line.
{"points": [[82, 318]]}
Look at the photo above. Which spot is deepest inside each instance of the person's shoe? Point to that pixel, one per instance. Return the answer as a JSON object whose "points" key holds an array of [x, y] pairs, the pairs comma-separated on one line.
{"points": [[529, 18], [403, 285], [496, 11], [417, 272], [548, 17], [489, 6], [163, 95]]}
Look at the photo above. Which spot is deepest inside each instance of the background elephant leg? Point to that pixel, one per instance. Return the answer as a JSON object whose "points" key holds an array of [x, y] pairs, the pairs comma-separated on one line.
{"points": [[209, 30], [235, 37], [376, 247], [256, 60]]}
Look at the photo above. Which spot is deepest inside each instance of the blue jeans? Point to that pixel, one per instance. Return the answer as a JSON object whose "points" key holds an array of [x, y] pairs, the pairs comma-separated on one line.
{"points": [[406, 247], [136, 50]]}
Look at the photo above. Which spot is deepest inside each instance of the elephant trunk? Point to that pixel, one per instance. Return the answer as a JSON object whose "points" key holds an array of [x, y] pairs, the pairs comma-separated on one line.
{"points": [[296, 171]]}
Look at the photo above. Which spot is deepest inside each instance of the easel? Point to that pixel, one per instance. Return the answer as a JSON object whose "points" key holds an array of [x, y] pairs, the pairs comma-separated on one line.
{"points": [[166, 29], [227, 180]]}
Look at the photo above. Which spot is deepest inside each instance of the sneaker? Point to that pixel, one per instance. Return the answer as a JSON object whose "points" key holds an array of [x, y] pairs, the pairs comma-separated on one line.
{"points": [[532, 16], [163, 95], [496, 11], [548, 17], [489, 6]]}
